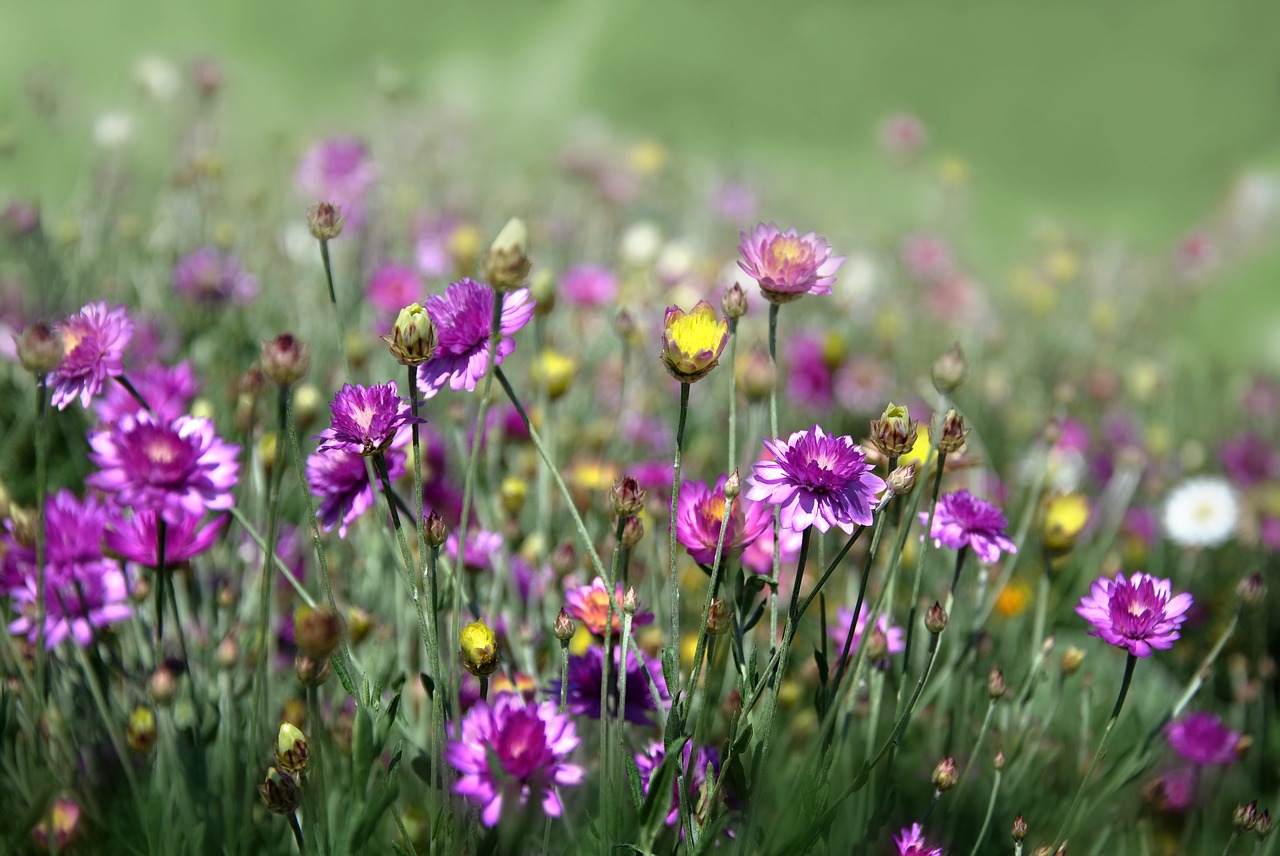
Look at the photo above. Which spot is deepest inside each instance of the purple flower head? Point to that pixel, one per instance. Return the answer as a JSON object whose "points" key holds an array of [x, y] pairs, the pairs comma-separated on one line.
{"points": [[79, 598], [341, 480], [809, 380], [174, 468], [93, 343], [337, 170], [964, 520], [700, 516], [584, 685], [393, 287], [787, 264], [1202, 738], [1249, 461], [73, 535], [366, 419], [895, 640], [462, 316], [589, 285], [590, 605], [819, 480], [209, 275], [135, 539], [1138, 614], [911, 842], [169, 392], [481, 547], [648, 761], [511, 753]]}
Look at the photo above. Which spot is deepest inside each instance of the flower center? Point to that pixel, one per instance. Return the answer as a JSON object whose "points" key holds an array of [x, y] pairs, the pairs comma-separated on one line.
{"points": [[696, 332], [787, 250], [521, 745], [71, 338]]}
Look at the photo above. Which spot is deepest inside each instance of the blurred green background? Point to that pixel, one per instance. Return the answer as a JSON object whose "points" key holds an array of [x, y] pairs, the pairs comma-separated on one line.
{"points": [[1124, 120]]}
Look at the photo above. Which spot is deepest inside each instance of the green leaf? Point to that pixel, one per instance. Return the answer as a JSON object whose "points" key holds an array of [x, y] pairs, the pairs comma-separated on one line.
{"points": [[373, 813], [344, 677], [396, 756], [674, 729], [428, 684], [421, 766], [633, 779], [361, 748], [671, 666], [824, 673]]}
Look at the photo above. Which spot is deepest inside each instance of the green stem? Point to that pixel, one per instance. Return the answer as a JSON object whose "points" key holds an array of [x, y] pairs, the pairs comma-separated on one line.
{"points": [[321, 797], [733, 395], [924, 546], [42, 489], [673, 583], [777, 509], [986, 821], [333, 302]]}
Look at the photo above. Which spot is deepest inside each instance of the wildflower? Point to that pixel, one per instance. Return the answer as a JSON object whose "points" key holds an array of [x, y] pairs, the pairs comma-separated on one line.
{"points": [[911, 842], [895, 432], [758, 555], [692, 342], [134, 538], [172, 468], [292, 749], [324, 221], [787, 265], [700, 517], [79, 599], [462, 316], [280, 793], [366, 419], [341, 479], [1248, 460], [809, 381], [1202, 738], [555, 372], [339, 170], [393, 286], [819, 480], [1201, 512], [140, 732], [58, 826], [1138, 614], [964, 520], [894, 639], [209, 275], [583, 694], [167, 390], [902, 135], [512, 752], [1065, 516], [479, 648], [285, 359], [590, 605], [481, 547], [93, 343], [506, 264], [696, 762]]}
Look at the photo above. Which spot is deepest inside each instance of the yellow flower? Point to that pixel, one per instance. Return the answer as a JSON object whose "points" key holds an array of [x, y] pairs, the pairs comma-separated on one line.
{"points": [[692, 342], [920, 452], [479, 647], [555, 371], [1065, 516], [1014, 598]]}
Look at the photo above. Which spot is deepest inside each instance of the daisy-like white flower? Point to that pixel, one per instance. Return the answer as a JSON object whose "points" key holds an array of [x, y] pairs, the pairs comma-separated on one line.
{"points": [[93, 342], [964, 520], [1201, 512], [911, 842], [819, 480], [1139, 614], [173, 468], [462, 316], [512, 753], [787, 265], [366, 419]]}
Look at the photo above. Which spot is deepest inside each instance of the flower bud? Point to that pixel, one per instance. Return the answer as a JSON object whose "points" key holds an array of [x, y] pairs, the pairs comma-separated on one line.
{"points": [[894, 433], [877, 645], [306, 405], [513, 492], [945, 774], [437, 533], [624, 325], [1245, 817], [292, 749], [1252, 590], [630, 603], [281, 793], [285, 359], [953, 432], [995, 684], [756, 375], [627, 497], [1019, 831], [359, 624], [734, 302], [324, 220], [1071, 660], [22, 526], [310, 672], [228, 653], [902, 479], [1065, 516], [40, 349], [554, 372], [693, 341], [543, 290], [58, 827], [950, 370], [563, 627], [998, 761], [1262, 828], [162, 686], [632, 532], [414, 337], [318, 632], [140, 733], [479, 648], [719, 617], [506, 264], [935, 620], [732, 485]]}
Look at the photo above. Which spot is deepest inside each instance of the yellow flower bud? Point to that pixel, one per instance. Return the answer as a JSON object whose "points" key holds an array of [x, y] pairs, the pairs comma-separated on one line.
{"points": [[479, 648]]}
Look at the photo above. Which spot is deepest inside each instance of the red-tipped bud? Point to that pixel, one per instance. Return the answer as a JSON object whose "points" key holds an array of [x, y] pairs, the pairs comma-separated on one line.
{"points": [[935, 620], [324, 219]]}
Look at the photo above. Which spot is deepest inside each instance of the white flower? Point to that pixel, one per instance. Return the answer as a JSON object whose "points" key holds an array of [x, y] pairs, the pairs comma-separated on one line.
{"points": [[157, 77], [640, 243], [112, 130], [1201, 512]]}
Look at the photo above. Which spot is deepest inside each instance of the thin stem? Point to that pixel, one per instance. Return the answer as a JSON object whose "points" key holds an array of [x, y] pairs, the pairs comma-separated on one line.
{"points": [[317, 765], [133, 392], [564, 675], [42, 489], [857, 608], [915, 588], [986, 821], [733, 395], [777, 509], [162, 531], [293, 819], [712, 585], [673, 583]]}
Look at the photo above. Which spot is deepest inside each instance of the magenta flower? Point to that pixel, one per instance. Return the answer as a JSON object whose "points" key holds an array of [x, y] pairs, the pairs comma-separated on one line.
{"points": [[809, 380], [584, 685], [590, 605], [511, 753], [964, 520], [93, 343], [819, 480], [463, 315], [79, 599], [787, 265], [341, 480], [481, 547], [209, 276], [894, 638], [74, 529], [135, 539], [1138, 614], [366, 419], [758, 555], [700, 515], [911, 842], [648, 761], [589, 285], [337, 170], [393, 287], [168, 390], [172, 468], [1203, 739], [1248, 460]]}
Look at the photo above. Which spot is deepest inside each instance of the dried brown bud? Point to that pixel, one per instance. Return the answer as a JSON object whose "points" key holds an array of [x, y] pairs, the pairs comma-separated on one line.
{"points": [[627, 497], [935, 620], [950, 370], [40, 349], [281, 793], [285, 359], [945, 774], [734, 302], [324, 219]]}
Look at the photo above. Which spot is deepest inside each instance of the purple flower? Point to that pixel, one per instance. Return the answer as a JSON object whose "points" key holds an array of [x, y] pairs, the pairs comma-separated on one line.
{"points": [[911, 842], [73, 535], [209, 275], [174, 468], [894, 638], [79, 598], [168, 391], [366, 419], [393, 287], [964, 520], [1202, 738], [462, 316], [93, 343], [1137, 614], [810, 379], [786, 264], [341, 480], [648, 761], [337, 170], [481, 547], [584, 685], [819, 480], [135, 539], [1249, 461], [700, 516], [589, 285], [512, 752]]}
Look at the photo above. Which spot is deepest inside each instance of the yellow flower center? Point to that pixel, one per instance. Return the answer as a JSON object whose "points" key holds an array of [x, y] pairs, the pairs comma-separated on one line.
{"points": [[715, 508], [786, 250], [71, 337], [697, 331]]}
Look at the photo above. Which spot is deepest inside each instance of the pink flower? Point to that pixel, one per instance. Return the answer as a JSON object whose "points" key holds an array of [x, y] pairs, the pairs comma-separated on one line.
{"points": [[366, 419], [1139, 614], [964, 520], [589, 285], [786, 264], [167, 390], [393, 287], [927, 258], [341, 479], [135, 539], [894, 638], [590, 605], [818, 480], [93, 343], [1203, 739], [911, 842], [463, 315], [700, 516], [209, 275], [337, 170]]}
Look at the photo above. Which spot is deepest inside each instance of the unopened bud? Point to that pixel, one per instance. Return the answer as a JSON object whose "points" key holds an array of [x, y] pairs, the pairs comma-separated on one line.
{"points": [[719, 617], [436, 531], [140, 733], [935, 620], [632, 532], [228, 653], [902, 479], [162, 686], [281, 793], [543, 290], [877, 644], [624, 324], [1019, 831], [506, 264], [324, 220], [478, 645], [1262, 828], [317, 632], [22, 526], [306, 405], [998, 761], [292, 749], [734, 302], [895, 432], [1071, 660], [756, 375], [414, 337], [630, 603], [564, 559], [950, 370], [40, 349], [1252, 590], [513, 492], [563, 627], [627, 497], [1242, 745], [285, 359], [311, 673], [732, 485], [1245, 817], [953, 432], [945, 774], [359, 624], [995, 684]]}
